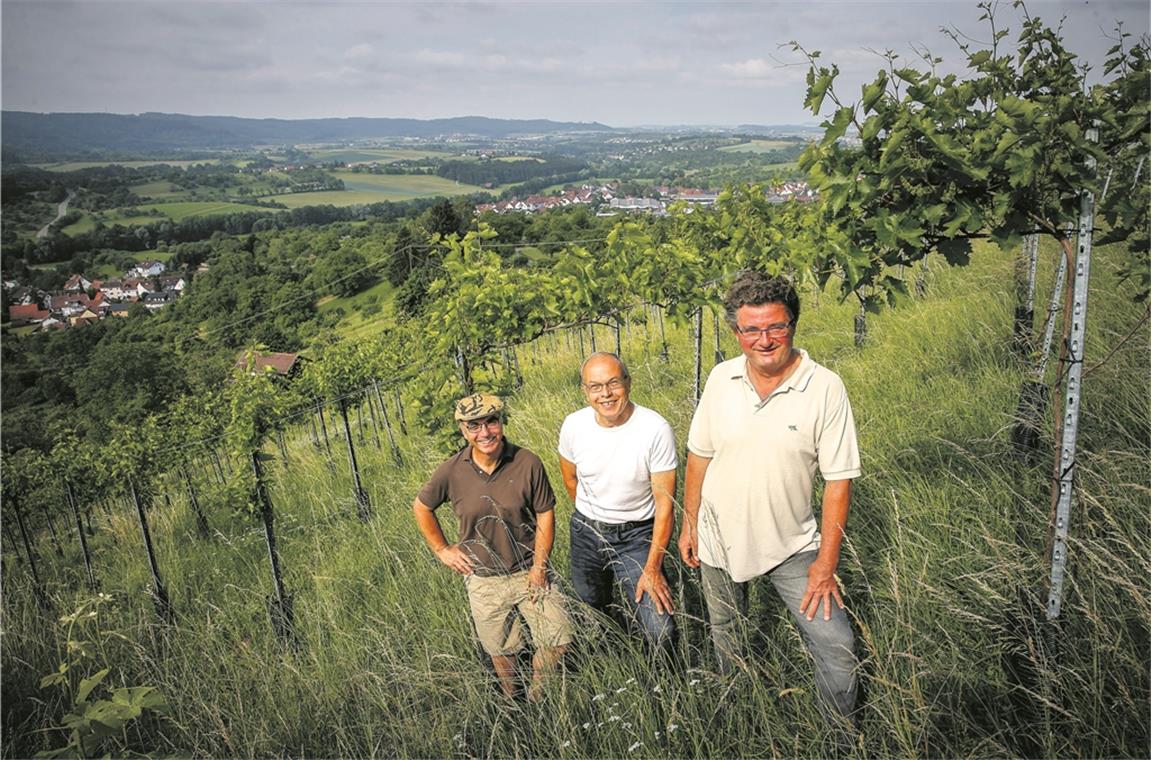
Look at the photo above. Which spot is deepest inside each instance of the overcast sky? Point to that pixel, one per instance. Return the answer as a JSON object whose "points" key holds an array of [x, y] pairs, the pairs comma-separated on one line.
{"points": [[620, 63]]}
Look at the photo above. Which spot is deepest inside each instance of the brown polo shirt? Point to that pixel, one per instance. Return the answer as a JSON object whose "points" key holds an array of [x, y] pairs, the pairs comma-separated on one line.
{"points": [[497, 512]]}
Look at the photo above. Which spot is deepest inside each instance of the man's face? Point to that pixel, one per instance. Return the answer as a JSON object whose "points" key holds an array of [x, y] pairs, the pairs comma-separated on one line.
{"points": [[769, 350], [607, 391], [485, 435]]}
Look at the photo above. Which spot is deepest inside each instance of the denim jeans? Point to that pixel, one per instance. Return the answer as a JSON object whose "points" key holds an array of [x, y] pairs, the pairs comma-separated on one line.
{"points": [[830, 642], [604, 556]]}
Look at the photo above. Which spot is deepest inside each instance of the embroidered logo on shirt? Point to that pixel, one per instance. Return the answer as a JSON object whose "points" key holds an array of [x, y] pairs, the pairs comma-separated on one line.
{"points": [[793, 427]]}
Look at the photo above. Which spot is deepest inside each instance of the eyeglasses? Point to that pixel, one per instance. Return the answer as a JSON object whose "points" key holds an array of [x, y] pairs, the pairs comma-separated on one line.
{"points": [[474, 426], [778, 330], [612, 385]]}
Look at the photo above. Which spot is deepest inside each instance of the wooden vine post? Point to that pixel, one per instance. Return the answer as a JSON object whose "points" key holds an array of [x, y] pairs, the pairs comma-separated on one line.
{"points": [[257, 405]]}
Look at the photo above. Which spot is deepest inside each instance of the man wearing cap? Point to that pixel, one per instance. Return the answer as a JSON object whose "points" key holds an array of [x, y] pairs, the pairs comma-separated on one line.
{"points": [[618, 461], [766, 422], [506, 510]]}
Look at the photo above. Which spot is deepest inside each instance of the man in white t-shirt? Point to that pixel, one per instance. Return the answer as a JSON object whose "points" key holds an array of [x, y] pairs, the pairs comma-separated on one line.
{"points": [[766, 423], [618, 461]]}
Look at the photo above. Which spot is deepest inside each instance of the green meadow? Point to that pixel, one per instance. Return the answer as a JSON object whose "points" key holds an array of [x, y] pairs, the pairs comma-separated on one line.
{"points": [[757, 146], [944, 571], [175, 211], [377, 155], [71, 166], [362, 188]]}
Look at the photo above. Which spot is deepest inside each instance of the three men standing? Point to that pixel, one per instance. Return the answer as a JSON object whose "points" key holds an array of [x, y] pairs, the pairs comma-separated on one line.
{"points": [[765, 423], [618, 461]]}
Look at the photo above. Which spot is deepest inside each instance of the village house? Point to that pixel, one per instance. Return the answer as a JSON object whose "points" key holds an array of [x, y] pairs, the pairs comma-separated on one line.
{"points": [[27, 313], [116, 289], [77, 283], [146, 269], [174, 282], [159, 300], [283, 364]]}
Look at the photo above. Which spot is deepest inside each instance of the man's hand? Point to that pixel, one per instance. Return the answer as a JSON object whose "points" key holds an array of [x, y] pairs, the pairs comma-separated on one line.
{"points": [[653, 582], [689, 547], [453, 557], [537, 581], [822, 587]]}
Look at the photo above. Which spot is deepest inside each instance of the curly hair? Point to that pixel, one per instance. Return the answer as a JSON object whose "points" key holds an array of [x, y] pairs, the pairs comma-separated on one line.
{"points": [[753, 288]]}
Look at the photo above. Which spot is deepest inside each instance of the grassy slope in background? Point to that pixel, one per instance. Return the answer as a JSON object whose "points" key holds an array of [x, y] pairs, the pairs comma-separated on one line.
{"points": [[934, 571]]}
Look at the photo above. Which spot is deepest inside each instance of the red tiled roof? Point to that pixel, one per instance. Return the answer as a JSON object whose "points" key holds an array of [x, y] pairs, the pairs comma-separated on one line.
{"points": [[29, 313], [281, 363]]}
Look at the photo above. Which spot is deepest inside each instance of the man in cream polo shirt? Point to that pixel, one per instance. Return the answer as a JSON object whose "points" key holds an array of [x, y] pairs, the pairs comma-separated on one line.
{"points": [[766, 422]]}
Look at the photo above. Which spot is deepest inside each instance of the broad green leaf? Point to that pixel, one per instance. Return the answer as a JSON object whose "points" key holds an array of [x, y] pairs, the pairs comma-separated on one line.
{"points": [[87, 684]]}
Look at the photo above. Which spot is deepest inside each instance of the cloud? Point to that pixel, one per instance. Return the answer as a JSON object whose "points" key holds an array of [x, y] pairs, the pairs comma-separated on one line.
{"points": [[753, 68]]}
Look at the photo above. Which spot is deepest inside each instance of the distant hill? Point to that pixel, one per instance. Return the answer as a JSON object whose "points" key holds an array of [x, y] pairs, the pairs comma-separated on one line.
{"points": [[66, 135]]}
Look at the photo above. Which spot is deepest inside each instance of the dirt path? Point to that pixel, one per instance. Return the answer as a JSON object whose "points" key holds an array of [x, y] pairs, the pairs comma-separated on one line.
{"points": [[60, 211]]}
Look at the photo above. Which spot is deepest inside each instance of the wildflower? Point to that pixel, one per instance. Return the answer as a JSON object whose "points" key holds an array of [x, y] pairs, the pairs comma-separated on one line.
{"points": [[614, 718], [693, 682], [568, 743], [671, 727], [630, 680], [598, 697], [627, 725], [657, 734], [635, 746], [587, 725], [657, 688], [622, 688]]}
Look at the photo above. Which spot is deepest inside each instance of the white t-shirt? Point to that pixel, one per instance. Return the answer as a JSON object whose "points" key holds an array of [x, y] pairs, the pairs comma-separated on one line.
{"points": [[756, 506], [614, 464]]}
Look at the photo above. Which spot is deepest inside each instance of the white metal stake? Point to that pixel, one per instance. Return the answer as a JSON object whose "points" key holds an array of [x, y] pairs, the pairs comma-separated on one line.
{"points": [[1075, 350]]}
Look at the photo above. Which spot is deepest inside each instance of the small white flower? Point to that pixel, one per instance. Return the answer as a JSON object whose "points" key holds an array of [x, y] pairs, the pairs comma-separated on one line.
{"points": [[627, 725], [614, 718], [657, 734], [657, 688], [635, 746], [587, 725], [630, 680], [566, 744], [621, 689], [671, 727], [598, 697], [693, 682]]}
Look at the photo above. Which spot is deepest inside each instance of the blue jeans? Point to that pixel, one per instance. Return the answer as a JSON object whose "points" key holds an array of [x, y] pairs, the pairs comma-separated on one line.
{"points": [[604, 555], [830, 642]]}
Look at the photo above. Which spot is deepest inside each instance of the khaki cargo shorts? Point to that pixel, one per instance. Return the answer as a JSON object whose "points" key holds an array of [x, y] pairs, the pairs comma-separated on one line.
{"points": [[494, 602]]}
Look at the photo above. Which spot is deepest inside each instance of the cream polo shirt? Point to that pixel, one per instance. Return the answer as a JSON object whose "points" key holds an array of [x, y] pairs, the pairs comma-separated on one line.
{"points": [[756, 509]]}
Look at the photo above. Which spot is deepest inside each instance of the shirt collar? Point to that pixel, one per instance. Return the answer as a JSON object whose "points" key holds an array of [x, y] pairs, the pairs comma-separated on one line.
{"points": [[506, 454], [797, 380]]}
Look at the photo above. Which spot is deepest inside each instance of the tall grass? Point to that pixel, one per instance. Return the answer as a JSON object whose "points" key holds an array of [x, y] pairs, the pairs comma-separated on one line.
{"points": [[944, 570]]}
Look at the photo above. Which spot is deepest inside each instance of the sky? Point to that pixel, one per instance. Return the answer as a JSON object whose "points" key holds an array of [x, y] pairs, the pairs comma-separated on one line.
{"points": [[643, 62]]}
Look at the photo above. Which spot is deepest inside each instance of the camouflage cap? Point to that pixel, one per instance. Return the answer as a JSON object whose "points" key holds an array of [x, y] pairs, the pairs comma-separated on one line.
{"points": [[477, 406]]}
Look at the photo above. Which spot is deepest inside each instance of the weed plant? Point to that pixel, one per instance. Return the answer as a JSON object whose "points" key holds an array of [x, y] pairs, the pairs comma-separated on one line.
{"points": [[944, 570]]}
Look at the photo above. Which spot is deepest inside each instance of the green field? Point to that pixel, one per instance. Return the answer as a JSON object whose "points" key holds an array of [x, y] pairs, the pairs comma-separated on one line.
{"points": [[374, 188], [757, 146], [377, 155], [175, 211], [159, 190], [71, 166]]}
